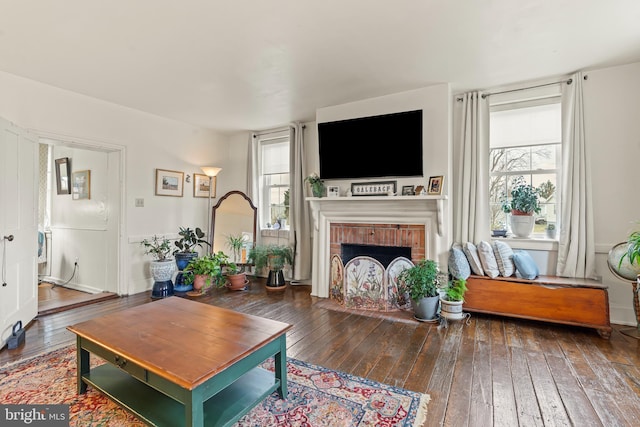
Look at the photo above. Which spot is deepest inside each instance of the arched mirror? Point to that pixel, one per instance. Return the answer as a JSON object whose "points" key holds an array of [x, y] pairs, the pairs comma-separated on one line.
{"points": [[234, 216]]}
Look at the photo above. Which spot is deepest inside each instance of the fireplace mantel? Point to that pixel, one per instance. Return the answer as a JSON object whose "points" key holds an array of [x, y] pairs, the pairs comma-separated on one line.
{"points": [[426, 210]]}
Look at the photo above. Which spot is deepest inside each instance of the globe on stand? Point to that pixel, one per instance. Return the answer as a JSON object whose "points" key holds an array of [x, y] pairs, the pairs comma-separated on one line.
{"points": [[629, 273]]}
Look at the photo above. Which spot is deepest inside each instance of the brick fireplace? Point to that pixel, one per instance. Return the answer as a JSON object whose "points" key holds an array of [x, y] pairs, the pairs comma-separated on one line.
{"points": [[403, 221]]}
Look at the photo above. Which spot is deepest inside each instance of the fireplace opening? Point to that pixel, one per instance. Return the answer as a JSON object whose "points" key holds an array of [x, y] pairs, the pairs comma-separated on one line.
{"points": [[384, 254]]}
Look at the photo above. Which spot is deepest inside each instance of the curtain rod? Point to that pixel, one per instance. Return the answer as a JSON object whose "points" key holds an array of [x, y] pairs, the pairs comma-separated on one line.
{"points": [[256, 134], [484, 95]]}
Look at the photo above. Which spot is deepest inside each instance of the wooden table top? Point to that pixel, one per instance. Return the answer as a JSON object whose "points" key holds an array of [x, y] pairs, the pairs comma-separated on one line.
{"points": [[184, 341]]}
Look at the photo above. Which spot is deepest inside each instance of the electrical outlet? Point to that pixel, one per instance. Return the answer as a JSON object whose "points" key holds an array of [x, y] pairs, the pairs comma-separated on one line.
{"points": [[76, 260], [139, 203]]}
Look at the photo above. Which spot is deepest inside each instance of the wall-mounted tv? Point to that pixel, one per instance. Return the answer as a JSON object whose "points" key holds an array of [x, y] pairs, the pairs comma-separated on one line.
{"points": [[388, 145]]}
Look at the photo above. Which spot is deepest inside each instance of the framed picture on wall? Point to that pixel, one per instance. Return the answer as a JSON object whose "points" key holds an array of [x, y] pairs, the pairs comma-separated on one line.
{"points": [[201, 185], [63, 175], [169, 183], [81, 182]]}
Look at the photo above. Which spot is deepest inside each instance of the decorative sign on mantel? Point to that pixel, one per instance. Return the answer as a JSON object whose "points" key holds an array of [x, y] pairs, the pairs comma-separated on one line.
{"points": [[379, 188]]}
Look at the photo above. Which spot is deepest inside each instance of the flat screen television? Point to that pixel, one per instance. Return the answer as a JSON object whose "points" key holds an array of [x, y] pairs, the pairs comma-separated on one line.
{"points": [[388, 145]]}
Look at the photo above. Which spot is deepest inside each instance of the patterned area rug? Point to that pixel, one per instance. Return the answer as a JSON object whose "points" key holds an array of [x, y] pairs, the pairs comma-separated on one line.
{"points": [[317, 396]]}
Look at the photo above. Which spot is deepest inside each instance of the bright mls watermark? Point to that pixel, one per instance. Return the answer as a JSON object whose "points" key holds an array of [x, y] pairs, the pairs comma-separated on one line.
{"points": [[34, 415]]}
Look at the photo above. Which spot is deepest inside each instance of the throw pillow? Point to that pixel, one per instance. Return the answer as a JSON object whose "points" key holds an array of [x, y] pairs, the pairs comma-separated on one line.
{"points": [[526, 267], [504, 254], [458, 264], [471, 252], [488, 259]]}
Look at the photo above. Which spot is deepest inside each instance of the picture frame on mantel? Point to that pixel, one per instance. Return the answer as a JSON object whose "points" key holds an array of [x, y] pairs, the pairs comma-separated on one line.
{"points": [[435, 185], [379, 188]]}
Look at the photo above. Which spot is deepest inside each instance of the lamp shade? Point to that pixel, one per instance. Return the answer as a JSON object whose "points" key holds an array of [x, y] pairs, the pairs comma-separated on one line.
{"points": [[210, 170]]}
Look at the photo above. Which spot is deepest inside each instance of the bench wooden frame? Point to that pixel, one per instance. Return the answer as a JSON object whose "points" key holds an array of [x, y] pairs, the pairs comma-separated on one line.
{"points": [[570, 301]]}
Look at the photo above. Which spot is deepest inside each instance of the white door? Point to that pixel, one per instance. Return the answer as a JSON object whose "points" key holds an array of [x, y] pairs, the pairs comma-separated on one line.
{"points": [[18, 228]]}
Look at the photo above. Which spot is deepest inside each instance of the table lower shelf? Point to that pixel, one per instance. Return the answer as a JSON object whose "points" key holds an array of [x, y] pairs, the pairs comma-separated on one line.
{"points": [[157, 409]]}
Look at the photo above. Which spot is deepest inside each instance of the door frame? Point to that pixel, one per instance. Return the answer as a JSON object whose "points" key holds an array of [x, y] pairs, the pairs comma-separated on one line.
{"points": [[122, 287]]}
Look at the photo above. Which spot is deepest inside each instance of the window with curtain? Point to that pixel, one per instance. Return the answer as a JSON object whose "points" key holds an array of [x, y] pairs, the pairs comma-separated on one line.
{"points": [[273, 166], [526, 143]]}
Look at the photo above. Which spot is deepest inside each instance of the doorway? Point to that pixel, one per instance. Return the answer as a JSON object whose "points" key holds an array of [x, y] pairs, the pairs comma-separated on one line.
{"points": [[81, 225]]}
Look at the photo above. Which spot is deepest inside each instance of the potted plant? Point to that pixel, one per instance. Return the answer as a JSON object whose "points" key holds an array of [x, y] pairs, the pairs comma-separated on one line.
{"points": [[452, 298], [275, 257], [207, 271], [236, 278], [551, 230], [185, 252], [523, 204], [235, 243], [317, 185], [421, 281], [162, 266]]}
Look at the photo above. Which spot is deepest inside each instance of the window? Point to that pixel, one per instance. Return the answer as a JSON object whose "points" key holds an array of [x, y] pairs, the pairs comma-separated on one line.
{"points": [[273, 164], [526, 141]]}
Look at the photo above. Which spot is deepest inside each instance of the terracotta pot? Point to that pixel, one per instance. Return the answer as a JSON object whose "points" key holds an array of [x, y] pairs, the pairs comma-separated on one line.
{"points": [[237, 282], [199, 281]]}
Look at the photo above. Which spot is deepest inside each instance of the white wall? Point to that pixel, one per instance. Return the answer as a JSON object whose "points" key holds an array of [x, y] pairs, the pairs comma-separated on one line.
{"points": [[612, 131], [147, 141]]}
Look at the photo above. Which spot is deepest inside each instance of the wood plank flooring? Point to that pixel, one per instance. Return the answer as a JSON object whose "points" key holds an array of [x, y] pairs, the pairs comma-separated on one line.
{"points": [[53, 299], [492, 371]]}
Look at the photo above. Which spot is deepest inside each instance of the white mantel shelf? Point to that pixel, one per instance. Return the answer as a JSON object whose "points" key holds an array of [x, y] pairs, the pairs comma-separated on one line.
{"points": [[316, 202]]}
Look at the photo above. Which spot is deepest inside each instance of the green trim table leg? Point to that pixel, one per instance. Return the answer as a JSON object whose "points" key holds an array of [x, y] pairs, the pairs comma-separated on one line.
{"points": [[82, 365], [281, 367], [194, 409]]}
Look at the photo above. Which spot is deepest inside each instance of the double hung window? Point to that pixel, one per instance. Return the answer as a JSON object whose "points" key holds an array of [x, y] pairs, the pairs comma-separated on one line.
{"points": [[273, 164]]}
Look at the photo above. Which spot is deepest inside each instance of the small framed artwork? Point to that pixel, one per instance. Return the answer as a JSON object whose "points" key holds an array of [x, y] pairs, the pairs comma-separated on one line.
{"points": [[407, 190], [63, 175], [201, 185], [435, 185], [380, 188], [333, 191], [81, 182], [169, 183], [420, 191]]}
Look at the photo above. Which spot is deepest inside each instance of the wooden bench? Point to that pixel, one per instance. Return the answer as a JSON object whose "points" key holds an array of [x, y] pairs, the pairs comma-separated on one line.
{"points": [[570, 301]]}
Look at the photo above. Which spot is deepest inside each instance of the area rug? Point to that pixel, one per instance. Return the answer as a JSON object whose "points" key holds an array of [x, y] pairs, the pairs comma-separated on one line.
{"points": [[317, 396]]}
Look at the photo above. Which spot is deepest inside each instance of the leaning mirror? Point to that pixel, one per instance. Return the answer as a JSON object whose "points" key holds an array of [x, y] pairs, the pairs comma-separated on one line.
{"points": [[233, 221]]}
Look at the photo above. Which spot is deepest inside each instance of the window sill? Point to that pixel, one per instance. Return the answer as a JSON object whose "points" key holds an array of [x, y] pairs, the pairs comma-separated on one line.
{"points": [[270, 232], [532, 243]]}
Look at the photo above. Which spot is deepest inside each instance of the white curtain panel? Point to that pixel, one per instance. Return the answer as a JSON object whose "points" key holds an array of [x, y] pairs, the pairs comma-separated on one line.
{"points": [[471, 169], [299, 213], [576, 249]]}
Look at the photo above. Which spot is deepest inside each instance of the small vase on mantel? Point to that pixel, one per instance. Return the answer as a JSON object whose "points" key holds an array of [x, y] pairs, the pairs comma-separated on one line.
{"points": [[318, 189]]}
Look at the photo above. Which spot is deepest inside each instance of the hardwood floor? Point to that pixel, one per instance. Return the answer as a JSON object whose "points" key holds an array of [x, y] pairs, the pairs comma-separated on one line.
{"points": [[492, 371], [53, 299]]}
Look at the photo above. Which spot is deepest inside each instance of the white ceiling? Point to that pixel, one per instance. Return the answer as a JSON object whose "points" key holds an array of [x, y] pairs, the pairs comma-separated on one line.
{"points": [[255, 64]]}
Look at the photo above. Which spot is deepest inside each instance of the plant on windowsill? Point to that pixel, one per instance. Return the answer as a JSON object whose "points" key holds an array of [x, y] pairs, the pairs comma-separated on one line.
{"points": [[421, 281], [524, 202], [551, 230], [275, 257]]}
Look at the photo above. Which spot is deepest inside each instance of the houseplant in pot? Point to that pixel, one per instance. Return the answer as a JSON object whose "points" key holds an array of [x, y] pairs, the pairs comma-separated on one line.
{"points": [[185, 252], [207, 272], [236, 278], [452, 298], [317, 185], [421, 281], [524, 202], [274, 257], [162, 266]]}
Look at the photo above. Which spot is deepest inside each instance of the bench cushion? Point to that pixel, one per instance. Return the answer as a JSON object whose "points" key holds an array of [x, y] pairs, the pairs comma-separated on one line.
{"points": [[488, 259], [525, 265], [471, 251], [504, 254]]}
